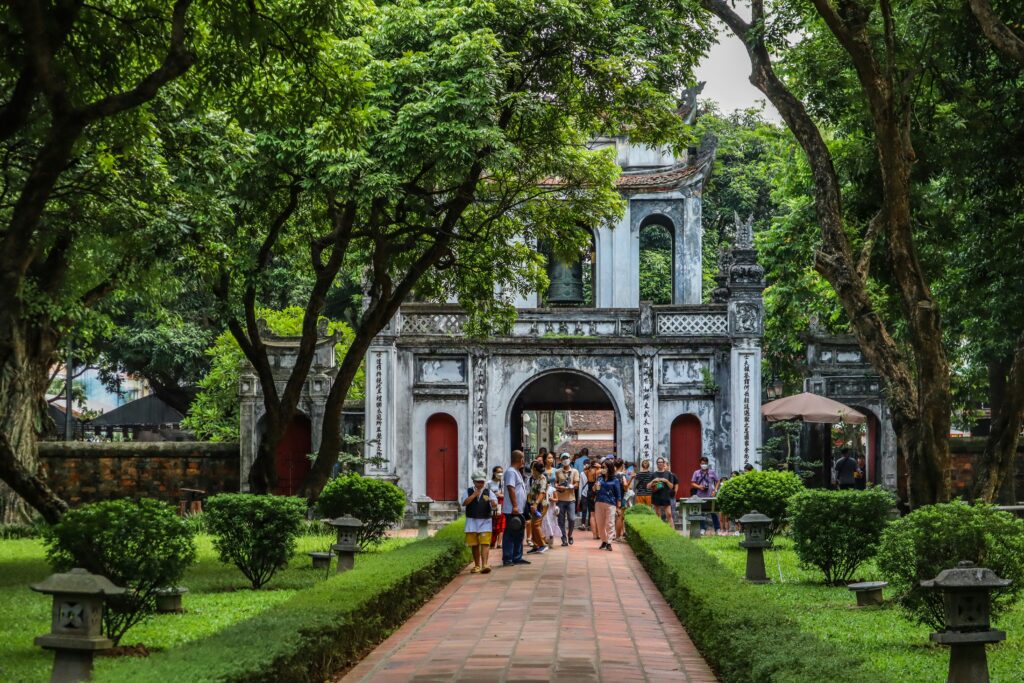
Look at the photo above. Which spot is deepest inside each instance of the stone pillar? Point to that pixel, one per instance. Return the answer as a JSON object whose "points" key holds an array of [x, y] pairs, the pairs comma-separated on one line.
{"points": [[379, 427], [248, 437], [478, 409], [545, 426], [746, 327], [686, 263], [647, 409]]}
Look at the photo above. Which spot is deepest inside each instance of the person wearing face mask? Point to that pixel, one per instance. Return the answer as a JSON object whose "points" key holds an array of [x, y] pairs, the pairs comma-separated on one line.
{"points": [[704, 483], [498, 521], [567, 482]]}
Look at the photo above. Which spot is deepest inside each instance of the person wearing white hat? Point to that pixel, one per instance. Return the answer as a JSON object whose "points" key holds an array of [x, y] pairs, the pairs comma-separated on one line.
{"points": [[480, 504]]}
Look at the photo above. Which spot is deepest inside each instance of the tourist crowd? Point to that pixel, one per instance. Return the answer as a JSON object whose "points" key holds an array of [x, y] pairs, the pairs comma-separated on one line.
{"points": [[550, 498]]}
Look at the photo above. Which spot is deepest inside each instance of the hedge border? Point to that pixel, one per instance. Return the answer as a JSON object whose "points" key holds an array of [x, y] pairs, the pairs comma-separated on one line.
{"points": [[739, 633], [317, 631]]}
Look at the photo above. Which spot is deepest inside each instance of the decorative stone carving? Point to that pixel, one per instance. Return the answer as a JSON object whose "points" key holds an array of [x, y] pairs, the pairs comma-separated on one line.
{"points": [[646, 420], [451, 371], [684, 370], [378, 405], [480, 408], [744, 231], [692, 324], [748, 318]]}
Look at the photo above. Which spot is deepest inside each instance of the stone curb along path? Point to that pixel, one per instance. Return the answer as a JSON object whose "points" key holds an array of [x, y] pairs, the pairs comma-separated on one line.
{"points": [[574, 614]]}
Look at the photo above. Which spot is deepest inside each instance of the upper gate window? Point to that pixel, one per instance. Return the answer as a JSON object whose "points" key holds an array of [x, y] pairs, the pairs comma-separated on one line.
{"points": [[656, 261]]}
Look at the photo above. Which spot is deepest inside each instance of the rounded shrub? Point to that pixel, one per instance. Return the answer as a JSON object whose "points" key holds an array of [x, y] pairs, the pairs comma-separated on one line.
{"points": [[767, 491], [837, 531], [139, 545], [256, 533], [378, 504], [930, 539]]}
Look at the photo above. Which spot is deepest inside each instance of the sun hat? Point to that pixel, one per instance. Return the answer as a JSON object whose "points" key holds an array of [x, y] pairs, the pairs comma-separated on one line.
{"points": [[515, 522], [479, 475]]}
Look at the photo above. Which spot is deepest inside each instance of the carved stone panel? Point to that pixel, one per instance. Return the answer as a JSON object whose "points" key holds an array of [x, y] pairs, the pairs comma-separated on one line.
{"points": [[441, 370], [684, 370]]}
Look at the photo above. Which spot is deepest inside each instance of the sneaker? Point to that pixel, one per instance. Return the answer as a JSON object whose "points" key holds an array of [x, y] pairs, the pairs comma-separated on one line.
{"points": [[521, 562], [474, 570], [486, 570], [534, 550], [564, 542], [507, 564], [542, 549], [608, 547], [570, 540]]}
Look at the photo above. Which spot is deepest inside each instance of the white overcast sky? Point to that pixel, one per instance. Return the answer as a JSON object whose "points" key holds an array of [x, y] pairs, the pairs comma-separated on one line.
{"points": [[727, 71]]}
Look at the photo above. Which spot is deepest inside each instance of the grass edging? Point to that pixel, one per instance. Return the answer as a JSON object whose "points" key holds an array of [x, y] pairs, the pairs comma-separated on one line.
{"points": [[743, 637], [317, 631]]}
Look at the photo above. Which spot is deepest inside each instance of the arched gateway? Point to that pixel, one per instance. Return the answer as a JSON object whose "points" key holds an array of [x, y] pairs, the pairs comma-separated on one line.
{"points": [[602, 350]]}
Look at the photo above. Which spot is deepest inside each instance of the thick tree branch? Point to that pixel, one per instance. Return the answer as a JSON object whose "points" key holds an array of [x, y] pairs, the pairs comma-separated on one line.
{"points": [[1004, 40]]}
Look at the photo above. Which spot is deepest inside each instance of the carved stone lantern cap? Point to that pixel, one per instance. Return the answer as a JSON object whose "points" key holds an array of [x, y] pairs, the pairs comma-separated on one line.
{"points": [[694, 500], [423, 499], [964, 577], [78, 581], [346, 521], [755, 517]]}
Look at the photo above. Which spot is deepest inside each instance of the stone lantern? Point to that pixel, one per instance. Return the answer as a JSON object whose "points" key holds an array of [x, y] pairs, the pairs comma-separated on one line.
{"points": [[76, 622], [755, 532], [348, 541], [694, 514], [422, 515], [966, 597]]}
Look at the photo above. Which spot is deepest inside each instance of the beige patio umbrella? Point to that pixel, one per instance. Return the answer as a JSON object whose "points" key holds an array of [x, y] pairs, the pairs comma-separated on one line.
{"points": [[811, 408]]}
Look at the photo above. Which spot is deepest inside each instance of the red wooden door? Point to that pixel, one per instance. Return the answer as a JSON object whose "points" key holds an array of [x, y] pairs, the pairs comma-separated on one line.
{"points": [[685, 450], [442, 457], [292, 456]]}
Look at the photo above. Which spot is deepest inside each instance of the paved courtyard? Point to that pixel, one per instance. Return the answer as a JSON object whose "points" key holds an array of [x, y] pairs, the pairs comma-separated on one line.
{"points": [[575, 614]]}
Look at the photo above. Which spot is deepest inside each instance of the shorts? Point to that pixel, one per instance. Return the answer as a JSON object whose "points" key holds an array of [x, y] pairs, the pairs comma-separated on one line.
{"points": [[478, 538], [643, 500]]}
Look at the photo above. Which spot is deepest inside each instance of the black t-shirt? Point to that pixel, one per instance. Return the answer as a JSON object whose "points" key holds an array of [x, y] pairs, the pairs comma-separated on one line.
{"points": [[641, 481], [663, 494]]}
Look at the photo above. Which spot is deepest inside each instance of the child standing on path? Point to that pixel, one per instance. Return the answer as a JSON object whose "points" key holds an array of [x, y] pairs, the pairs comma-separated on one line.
{"points": [[480, 504]]}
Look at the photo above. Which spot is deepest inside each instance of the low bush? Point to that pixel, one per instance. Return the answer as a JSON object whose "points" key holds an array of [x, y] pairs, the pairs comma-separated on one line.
{"points": [[139, 545], [766, 491], [255, 533], [743, 637], [378, 504], [838, 531], [15, 531], [930, 539], [319, 630]]}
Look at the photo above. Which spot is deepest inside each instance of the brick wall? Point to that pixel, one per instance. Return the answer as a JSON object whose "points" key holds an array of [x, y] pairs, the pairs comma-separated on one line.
{"points": [[964, 452], [87, 472]]}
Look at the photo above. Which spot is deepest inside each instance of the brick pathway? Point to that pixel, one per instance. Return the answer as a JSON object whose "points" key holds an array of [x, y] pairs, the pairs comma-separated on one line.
{"points": [[562, 618]]}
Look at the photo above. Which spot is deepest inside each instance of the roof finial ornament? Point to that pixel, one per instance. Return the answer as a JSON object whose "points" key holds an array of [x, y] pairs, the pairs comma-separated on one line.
{"points": [[744, 231], [687, 108]]}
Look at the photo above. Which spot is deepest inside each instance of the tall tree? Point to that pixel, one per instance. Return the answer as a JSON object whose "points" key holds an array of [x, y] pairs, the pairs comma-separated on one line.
{"points": [[79, 171], [917, 377], [453, 135]]}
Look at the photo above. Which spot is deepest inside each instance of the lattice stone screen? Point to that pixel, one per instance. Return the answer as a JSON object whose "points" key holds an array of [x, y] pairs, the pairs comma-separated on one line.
{"points": [[692, 324]]}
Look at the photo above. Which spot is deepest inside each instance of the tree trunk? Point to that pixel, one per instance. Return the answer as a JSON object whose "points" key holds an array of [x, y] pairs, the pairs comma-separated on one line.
{"points": [[24, 364], [995, 470], [330, 434]]}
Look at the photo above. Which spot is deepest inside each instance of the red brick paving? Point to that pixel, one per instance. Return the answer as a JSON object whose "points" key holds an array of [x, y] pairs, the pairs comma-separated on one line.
{"points": [[561, 618]]}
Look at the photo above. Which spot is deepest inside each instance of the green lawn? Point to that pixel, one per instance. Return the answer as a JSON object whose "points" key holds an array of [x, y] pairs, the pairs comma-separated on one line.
{"points": [[219, 596], [896, 648]]}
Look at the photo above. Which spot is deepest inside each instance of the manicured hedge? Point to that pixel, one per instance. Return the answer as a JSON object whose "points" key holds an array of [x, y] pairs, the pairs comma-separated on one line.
{"points": [[317, 631], [737, 631]]}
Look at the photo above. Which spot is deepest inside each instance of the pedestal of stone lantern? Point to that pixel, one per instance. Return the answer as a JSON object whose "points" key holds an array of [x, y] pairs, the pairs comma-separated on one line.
{"points": [[422, 515], [348, 541]]}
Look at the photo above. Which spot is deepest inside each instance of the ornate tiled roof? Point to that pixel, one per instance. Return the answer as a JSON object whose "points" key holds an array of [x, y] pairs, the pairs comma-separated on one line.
{"points": [[653, 179]]}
